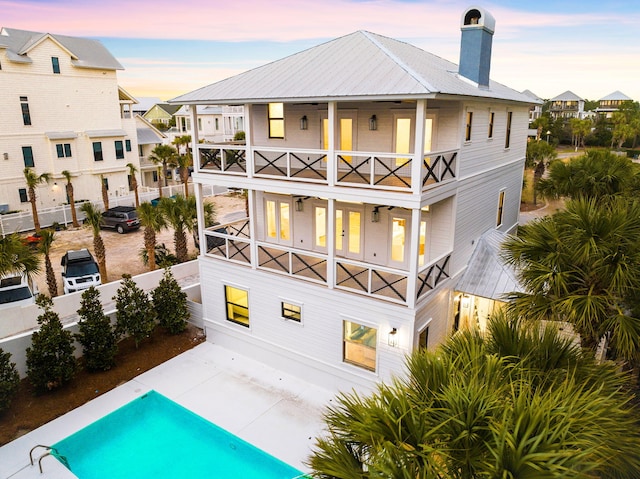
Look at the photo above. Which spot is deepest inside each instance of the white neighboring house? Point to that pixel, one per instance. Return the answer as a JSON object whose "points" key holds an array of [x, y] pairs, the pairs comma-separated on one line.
{"points": [[611, 103], [63, 110], [372, 168], [567, 105], [148, 137], [216, 123]]}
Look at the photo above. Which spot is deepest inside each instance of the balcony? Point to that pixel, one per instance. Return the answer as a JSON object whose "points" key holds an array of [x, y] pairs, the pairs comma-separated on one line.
{"points": [[231, 242], [382, 171]]}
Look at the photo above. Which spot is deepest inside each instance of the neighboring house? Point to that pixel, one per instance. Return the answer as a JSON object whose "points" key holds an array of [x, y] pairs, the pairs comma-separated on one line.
{"points": [[567, 105], [216, 123], [161, 114], [535, 111], [62, 110], [145, 103], [148, 138], [371, 168], [612, 103]]}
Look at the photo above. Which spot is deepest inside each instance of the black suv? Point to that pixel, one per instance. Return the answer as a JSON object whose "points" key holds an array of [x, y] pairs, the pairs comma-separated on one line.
{"points": [[121, 218]]}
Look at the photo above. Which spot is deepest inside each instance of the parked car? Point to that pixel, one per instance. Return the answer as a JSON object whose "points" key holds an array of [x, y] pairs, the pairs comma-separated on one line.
{"points": [[121, 219], [79, 271], [16, 290]]}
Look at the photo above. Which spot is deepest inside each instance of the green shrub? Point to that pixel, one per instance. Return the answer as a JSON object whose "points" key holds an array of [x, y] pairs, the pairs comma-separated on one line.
{"points": [[9, 380], [98, 339], [135, 315], [170, 304], [50, 360]]}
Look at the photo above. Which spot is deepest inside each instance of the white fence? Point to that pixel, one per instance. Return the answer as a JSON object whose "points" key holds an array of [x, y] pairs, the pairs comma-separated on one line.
{"points": [[18, 323], [23, 221]]}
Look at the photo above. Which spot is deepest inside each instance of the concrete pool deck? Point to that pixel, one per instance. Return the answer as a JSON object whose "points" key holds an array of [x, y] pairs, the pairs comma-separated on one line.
{"points": [[276, 412]]}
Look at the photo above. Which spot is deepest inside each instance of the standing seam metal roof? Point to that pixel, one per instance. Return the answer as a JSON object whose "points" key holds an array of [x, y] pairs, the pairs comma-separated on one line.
{"points": [[361, 64]]}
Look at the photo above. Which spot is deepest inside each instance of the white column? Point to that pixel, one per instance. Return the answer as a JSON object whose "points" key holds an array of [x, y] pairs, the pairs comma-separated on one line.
{"points": [[195, 139], [251, 200], [414, 247], [331, 242], [248, 111], [418, 149], [332, 161], [197, 191]]}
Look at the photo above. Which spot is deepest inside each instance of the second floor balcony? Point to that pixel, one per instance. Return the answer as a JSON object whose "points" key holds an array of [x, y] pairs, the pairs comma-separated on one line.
{"points": [[379, 170]]}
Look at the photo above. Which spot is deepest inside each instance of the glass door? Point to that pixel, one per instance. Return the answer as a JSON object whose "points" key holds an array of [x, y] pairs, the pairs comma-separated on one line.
{"points": [[349, 233]]}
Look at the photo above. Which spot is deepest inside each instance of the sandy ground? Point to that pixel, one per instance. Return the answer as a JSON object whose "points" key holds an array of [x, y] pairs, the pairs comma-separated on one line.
{"points": [[123, 251]]}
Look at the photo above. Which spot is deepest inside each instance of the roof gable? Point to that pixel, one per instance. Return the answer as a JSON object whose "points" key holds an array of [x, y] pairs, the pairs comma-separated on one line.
{"points": [[567, 96], [359, 65], [616, 95], [84, 52]]}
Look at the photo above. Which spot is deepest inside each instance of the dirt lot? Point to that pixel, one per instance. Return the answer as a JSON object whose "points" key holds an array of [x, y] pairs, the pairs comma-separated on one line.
{"points": [[123, 251]]}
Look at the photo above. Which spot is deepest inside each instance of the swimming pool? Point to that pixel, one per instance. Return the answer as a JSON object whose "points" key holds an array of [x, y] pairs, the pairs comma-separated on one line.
{"points": [[153, 437]]}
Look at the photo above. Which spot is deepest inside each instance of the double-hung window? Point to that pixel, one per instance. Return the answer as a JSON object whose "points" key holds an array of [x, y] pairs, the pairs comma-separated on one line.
{"points": [[276, 120], [360, 343], [119, 149], [237, 302], [291, 311], [55, 63], [24, 105], [97, 151], [27, 156]]}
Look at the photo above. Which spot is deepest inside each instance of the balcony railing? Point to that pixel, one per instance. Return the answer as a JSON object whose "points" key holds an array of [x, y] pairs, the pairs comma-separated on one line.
{"points": [[230, 241], [386, 171], [432, 274], [301, 264], [378, 281]]}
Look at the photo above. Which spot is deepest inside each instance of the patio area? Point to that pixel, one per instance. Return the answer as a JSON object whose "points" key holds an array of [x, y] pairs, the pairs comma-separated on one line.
{"points": [[275, 412]]}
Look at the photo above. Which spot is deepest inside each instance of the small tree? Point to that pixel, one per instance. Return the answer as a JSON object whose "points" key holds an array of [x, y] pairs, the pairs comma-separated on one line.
{"points": [[170, 304], [71, 197], [98, 339], [134, 182], [33, 180], [105, 192], [50, 359], [134, 312], [9, 380]]}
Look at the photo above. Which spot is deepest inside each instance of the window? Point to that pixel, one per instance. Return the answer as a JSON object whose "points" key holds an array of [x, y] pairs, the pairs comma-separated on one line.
{"points": [[105, 182], [23, 195], [492, 117], [291, 311], [140, 150], [398, 234], [507, 139], [500, 209], [63, 150], [27, 156], [154, 174], [127, 145], [199, 124], [320, 233], [276, 120], [55, 63], [119, 150], [26, 116], [97, 151], [217, 124], [278, 216], [403, 139], [237, 301], [349, 233], [467, 131], [360, 345], [423, 242], [423, 338]]}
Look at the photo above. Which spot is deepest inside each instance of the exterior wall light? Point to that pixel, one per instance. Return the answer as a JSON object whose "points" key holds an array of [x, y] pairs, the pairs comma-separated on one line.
{"points": [[375, 215], [393, 338], [299, 205], [304, 124], [373, 123]]}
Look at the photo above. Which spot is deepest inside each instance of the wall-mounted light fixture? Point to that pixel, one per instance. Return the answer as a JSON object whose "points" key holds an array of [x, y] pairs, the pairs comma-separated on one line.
{"points": [[5, 156], [465, 301], [299, 205], [373, 123], [375, 215], [392, 340], [304, 124]]}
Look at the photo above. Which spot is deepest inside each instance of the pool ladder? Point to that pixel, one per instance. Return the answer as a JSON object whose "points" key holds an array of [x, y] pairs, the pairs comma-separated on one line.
{"points": [[47, 453]]}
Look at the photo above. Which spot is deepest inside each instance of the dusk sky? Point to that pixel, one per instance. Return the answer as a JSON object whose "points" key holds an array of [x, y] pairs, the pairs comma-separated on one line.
{"points": [[172, 47]]}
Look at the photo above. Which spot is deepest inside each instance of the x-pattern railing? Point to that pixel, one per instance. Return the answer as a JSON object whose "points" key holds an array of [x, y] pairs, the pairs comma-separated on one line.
{"points": [[432, 276], [223, 159], [271, 163], [308, 266], [361, 279], [351, 169], [442, 168], [293, 263], [210, 157], [308, 165], [392, 172], [241, 231]]}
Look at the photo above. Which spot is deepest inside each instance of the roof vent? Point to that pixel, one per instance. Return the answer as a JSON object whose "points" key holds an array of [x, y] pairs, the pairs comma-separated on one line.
{"points": [[477, 26]]}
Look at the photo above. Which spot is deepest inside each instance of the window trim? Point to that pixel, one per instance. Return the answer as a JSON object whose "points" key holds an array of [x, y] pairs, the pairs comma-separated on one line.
{"points": [[283, 310], [26, 114], [468, 126], [24, 197], [492, 117], [63, 150], [119, 148], [507, 139], [127, 145], [27, 157], [365, 324], [97, 152], [500, 215], [55, 63], [278, 119], [226, 306]]}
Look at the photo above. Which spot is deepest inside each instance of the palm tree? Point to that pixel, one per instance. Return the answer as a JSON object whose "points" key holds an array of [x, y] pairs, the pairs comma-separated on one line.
{"points": [[47, 238], [180, 214], [582, 265], [183, 163], [183, 141], [33, 180], [165, 155], [105, 192], [17, 258], [134, 182], [580, 129], [152, 220], [539, 154], [72, 201], [516, 403], [93, 218]]}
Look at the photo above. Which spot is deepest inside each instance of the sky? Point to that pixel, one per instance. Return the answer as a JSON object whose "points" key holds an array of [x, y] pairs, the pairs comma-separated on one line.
{"points": [[171, 47]]}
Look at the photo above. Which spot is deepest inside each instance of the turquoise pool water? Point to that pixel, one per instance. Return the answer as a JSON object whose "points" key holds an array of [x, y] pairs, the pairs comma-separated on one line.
{"points": [[153, 437]]}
